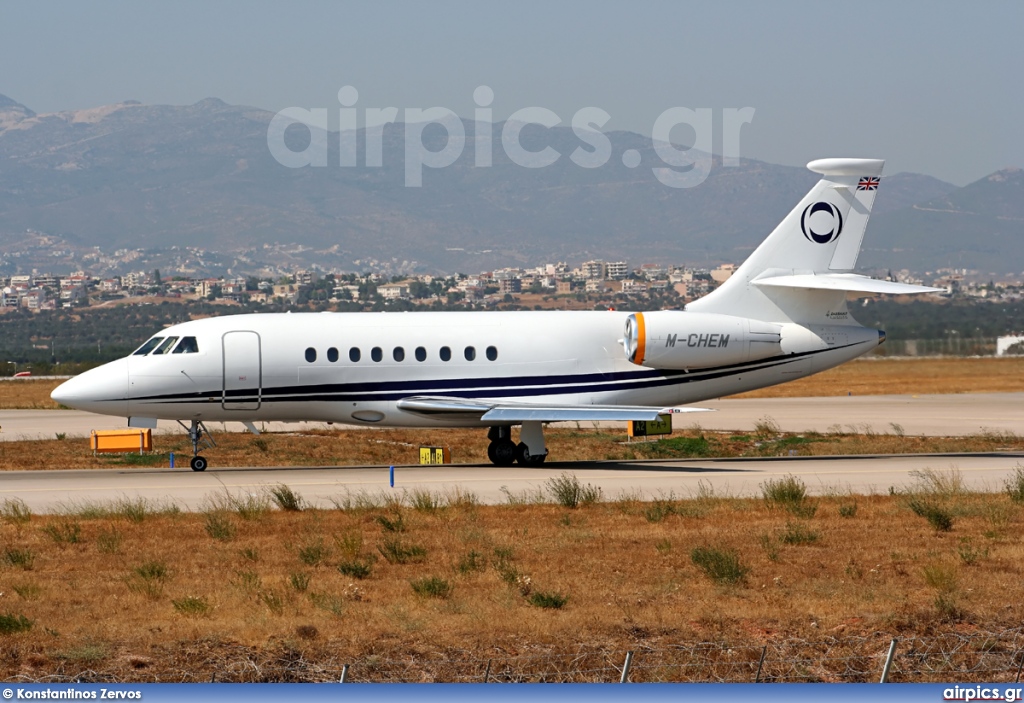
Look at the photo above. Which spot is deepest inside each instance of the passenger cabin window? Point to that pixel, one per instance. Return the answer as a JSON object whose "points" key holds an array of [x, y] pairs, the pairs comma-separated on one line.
{"points": [[310, 354], [398, 354], [421, 354], [165, 346], [354, 354], [148, 346], [470, 353], [332, 355], [446, 354], [187, 345], [492, 353], [376, 354]]}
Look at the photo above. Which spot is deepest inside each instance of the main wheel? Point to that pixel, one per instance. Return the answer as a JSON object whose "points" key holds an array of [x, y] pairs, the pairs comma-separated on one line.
{"points": [[524, 457], [504, 452], [198, 463], [490, 453]]}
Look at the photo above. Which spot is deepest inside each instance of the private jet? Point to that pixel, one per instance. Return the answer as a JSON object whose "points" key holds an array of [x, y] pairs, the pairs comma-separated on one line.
{"points": [[781, 316]]}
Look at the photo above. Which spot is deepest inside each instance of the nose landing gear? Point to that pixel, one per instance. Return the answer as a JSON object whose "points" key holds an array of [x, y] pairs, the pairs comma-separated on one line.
{"points": [[195, 433]]}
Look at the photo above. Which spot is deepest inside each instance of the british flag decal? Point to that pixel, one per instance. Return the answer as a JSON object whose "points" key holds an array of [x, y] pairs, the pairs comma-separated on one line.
{"points": [[869, 183]]}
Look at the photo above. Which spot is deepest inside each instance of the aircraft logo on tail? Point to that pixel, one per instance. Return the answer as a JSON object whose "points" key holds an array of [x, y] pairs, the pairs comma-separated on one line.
{"points": [[824, 215]]}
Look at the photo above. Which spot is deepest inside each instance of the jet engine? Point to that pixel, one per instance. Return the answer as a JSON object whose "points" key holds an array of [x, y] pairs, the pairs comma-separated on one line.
{"points": [[673, 339]]}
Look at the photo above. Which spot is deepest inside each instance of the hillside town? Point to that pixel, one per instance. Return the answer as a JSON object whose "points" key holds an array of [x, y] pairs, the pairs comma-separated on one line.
{"points": [[589, 284]]}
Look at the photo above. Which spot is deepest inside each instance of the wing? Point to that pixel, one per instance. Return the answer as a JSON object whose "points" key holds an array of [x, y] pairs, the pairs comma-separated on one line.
{"points": [[849, 282], [505, 411]]}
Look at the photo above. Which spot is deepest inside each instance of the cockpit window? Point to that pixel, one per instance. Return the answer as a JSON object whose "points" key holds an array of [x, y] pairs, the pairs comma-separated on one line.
{"points": [[187, 345], [148, 346], [165, 346]]}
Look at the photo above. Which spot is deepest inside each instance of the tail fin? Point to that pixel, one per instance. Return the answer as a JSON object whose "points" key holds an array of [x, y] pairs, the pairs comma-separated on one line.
{"points": [[820, 237]]}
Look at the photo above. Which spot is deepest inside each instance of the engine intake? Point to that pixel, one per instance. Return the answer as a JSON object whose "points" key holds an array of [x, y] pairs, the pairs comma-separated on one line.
{"points": [[673, 339]]}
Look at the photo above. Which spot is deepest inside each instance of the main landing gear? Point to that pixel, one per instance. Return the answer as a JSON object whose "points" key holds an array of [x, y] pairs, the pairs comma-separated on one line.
{"points": [[530, 451], [195, 433]]}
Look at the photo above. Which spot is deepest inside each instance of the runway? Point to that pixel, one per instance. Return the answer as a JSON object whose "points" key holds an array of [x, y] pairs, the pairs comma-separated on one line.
{"points": [[934, 415], [55, 491], [938, 415]]}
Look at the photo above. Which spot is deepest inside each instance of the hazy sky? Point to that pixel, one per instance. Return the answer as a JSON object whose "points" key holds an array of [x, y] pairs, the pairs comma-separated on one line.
{"points": [[933, 87]]}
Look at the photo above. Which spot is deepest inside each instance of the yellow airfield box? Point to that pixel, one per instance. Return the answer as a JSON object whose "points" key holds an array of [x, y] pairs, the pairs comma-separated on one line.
{"points": [[435, 455], [138, 440], [647, 428]]}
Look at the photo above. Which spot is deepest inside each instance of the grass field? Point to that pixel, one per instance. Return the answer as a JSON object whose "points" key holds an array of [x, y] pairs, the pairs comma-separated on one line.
{"points": [[427, 586], [404, 588], [381, 447]]}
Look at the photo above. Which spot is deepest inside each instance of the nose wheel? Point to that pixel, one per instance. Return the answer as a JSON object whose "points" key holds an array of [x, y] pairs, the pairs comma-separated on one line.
{"points": [[195, 433]]}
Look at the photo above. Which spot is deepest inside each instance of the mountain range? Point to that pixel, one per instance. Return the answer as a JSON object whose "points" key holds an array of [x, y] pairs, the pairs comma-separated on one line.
{"points": [[155, 176]]}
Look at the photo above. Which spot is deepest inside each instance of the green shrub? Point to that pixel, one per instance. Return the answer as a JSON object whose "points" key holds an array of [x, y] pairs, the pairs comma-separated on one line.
{"points": [[432, 587], [797, 533], [848, 510], [356, 568], [472, 561], [397, 553], [286, 499], [273, 601], [132, 510], [335, 605], [148, 579], [568, 492], [22, 558], [192, 606], [152, 571], [396, 524], [11, 624], [720, 565], [64, 532], [15, 511], [550, 600], [424, 501], [659, 510], [314, 553], [108, 541], [299, 581], [969, 554], [250, 507], [219, 526], [788, 493], [1015, 485], [28, 591], [937, 516]]}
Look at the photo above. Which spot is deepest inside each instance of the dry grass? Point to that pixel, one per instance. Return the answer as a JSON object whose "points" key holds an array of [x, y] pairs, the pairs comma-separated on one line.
{"points": [[28, 394], [166, 597], [376, 447], [880, 376]]}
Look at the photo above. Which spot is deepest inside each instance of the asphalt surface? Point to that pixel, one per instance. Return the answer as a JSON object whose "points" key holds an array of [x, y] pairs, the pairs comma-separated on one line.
{"points": [[941, 415]]}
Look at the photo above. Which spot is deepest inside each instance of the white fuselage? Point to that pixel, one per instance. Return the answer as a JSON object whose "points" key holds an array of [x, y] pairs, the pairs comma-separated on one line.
{"points": [[256, 367]]}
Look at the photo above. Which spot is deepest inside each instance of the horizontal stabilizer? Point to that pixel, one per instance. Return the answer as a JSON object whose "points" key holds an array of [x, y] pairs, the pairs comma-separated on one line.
{"points": [[848, 282], [504, 411]]}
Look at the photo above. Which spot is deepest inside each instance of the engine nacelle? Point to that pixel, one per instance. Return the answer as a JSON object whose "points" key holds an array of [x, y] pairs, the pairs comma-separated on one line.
{"points": [[673, 339]]}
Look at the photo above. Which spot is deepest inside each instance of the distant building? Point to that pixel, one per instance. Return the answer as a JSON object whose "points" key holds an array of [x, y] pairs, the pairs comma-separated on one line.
{"points": [[507, 286], [616, 270], [723, 273], [394, 291], [593, 270]]}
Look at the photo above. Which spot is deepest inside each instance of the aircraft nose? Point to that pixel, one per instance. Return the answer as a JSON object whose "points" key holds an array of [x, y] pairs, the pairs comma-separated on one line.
{"points": [[101, 390]]}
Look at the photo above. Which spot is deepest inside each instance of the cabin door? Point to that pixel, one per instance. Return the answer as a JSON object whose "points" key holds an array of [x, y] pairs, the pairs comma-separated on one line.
{"points": [[243, 371]]}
